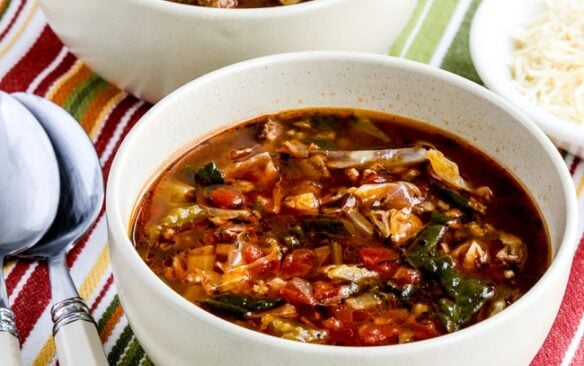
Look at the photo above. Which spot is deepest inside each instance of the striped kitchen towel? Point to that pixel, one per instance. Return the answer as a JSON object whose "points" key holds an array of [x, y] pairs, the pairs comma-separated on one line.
{"points": [[33, 59]]}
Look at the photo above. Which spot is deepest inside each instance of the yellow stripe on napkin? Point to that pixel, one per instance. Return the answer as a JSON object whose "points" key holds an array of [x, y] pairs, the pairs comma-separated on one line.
{"points": [[47, 352], [20, 30]]}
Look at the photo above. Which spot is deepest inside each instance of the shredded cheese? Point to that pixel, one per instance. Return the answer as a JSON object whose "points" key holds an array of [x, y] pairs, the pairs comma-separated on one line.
{"points": [[548, 63]]}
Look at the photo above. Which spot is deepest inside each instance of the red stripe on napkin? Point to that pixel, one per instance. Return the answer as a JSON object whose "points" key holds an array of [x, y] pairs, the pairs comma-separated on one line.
{"points": [[15, 275], [32, 301], [7, 29], [135, 117], [102, 293], [571, 311], [37, 58], [112, 121], [58, 72]]}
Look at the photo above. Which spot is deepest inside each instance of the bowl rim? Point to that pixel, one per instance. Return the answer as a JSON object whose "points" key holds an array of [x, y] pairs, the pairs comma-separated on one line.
{"points": [[238, 13], [481, 33], [561, 262]]}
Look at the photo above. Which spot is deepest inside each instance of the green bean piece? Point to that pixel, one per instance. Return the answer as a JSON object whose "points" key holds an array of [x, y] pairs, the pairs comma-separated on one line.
{"points": [[452, 196]]}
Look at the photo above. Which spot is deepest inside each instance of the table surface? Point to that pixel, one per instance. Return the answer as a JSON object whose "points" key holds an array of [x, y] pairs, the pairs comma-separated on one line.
{"points": [[33, 59]]}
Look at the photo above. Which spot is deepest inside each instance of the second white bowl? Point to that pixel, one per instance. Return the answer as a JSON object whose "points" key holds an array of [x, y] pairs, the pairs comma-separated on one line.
{"points": [[150, 47]]}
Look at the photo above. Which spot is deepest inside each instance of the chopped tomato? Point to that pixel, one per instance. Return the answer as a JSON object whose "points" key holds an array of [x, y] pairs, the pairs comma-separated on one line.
{"points": [[298, 263], [226, 197], [265, 264], [407, 276], [382, 260], [251, 253], [339, 332], [326, 293], [425, 329], [298, 292]]}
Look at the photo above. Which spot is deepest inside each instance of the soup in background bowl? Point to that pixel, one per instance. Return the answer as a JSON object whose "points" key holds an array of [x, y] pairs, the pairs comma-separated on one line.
{"points": [[239, 4], [174, 331]]}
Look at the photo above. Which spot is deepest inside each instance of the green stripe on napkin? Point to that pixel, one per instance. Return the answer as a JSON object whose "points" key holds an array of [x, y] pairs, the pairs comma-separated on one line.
{"points": [[120, 347], [425, 29], [430, 26], [398, 45], [458, 58], [431, 31]]}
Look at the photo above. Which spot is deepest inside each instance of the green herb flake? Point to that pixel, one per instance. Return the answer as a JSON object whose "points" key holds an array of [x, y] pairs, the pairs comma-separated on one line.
{"points": [[209, 175]]}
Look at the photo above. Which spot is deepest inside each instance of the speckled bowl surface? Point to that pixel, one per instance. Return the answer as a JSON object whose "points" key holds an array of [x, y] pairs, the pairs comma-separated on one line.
{"points": [[175, 332], [150, 47]]}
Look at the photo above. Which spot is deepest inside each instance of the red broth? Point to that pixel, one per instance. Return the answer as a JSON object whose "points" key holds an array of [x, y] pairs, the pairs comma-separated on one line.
{"points": [[231, 4], [295, 225]]}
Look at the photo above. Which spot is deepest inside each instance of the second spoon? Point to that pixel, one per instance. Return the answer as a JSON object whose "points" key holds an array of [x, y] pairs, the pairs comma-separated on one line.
{"points": [[76, 337]]}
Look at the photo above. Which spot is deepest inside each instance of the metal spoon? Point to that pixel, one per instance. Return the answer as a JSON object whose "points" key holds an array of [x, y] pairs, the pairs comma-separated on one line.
{"points": [[29, 194], [75, 332]]}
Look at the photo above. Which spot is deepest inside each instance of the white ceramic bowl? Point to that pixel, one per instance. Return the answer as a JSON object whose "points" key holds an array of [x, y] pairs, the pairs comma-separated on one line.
{"points": [[150, 47], [491, 46], [175, 332]]}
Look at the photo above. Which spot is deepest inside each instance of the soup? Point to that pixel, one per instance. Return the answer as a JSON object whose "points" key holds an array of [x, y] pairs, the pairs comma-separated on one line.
{"points": [[342, 227], [239, 3]]}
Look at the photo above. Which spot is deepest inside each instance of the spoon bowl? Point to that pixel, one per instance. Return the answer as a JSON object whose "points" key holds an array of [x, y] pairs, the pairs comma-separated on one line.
{"points": [[30, 193], [80, 203], [30, 180]]}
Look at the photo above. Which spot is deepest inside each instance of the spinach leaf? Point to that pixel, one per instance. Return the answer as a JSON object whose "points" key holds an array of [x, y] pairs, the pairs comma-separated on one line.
{"points": [[466, 295], [422, 252], [209, 175], [450, 314], [325, 144], [239, 306], [366, 126], [324, 122]]}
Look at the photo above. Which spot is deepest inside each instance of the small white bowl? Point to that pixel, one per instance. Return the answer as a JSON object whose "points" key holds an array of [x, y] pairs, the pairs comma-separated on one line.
{"points": [[491, 46], [175, 332], [150, 47]]}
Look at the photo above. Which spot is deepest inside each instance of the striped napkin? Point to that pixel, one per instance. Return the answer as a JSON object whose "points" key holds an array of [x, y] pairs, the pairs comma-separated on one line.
{"points": [[33, 59]]}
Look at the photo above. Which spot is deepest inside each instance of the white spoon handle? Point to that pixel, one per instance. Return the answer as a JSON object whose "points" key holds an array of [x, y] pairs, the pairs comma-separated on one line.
{"points": [[9, 350], [78, 344]]}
